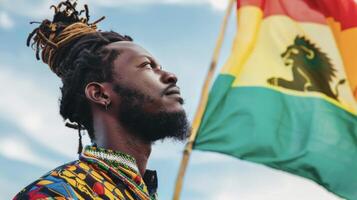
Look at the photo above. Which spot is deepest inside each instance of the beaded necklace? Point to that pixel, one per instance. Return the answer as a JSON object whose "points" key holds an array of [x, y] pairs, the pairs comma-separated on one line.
{"points": [[114, 158]]}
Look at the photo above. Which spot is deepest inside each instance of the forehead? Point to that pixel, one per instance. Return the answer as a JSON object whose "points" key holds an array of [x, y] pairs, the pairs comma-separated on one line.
{"points": [[128, 50]]}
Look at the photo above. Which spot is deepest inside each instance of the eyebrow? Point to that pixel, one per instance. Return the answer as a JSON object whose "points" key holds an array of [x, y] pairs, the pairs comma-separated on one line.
{"points": [[150, 58], [146, 56]]}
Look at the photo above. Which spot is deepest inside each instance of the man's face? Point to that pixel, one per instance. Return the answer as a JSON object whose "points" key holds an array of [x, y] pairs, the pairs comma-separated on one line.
{"points": [[149, 101]]}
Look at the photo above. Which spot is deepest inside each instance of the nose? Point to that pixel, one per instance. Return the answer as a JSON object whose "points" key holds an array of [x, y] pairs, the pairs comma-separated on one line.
{"points": [[168, 78]]}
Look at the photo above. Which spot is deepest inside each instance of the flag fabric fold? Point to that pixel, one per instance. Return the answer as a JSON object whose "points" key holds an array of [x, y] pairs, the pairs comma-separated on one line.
{"points": [[286, 97]]}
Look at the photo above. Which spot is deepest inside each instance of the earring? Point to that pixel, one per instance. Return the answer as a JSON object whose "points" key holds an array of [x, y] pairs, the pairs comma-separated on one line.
{"points": [[106, 106]]}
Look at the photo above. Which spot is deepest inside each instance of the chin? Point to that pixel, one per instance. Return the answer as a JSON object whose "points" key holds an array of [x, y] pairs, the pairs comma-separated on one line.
{"points": [[177, 108], [174, 105]]}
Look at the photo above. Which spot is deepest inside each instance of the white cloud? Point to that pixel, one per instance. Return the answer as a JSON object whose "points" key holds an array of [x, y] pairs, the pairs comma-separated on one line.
{"points": [[172, 149], [34, 9], [217, 4], [166, 150], [201, 157], [248, 181], [35, 110], [40, 9], [16, 149], [5, 21]]}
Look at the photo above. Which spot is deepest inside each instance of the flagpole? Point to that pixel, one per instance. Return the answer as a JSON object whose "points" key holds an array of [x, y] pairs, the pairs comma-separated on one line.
{"points": [[202, 103]]}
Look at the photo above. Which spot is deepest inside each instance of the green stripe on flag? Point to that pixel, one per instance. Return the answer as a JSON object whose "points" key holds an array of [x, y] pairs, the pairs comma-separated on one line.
{"points": [[307, 136]]}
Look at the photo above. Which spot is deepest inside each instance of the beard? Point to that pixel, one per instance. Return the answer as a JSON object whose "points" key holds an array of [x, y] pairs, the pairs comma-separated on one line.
{"points": [[149, 126]]}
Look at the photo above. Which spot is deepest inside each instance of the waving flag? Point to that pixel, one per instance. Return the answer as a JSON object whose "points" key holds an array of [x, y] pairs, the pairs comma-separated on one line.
{"points": [[286, 97]]}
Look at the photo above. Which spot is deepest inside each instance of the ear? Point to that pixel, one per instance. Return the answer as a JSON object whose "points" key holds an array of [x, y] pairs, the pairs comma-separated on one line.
{"points": [[98, 93]]}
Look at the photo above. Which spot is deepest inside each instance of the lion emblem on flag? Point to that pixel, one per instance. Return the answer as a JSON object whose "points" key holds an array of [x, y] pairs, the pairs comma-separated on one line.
{"points": [[311, 68]]}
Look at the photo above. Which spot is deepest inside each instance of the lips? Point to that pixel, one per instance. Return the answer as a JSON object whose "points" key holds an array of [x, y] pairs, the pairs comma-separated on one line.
{"points": [[172, 90]]}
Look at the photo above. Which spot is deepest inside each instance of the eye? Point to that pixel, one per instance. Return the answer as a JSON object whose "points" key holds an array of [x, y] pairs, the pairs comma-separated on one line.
{"points": [[147, 65], [150, 65]]}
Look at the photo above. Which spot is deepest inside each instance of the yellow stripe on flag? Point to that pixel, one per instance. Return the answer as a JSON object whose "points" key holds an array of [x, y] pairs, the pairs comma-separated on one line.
{"points": [[248, 19]]}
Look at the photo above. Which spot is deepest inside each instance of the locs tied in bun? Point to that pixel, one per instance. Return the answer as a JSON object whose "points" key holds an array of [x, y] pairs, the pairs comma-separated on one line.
{"points": [[73, 49]]}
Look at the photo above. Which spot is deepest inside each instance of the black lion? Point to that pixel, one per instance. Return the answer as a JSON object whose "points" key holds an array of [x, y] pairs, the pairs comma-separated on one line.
{"points": [[311, 68]]}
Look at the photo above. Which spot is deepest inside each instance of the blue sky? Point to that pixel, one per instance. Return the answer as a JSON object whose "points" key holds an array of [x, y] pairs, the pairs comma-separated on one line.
{"points": [[181, 34]]}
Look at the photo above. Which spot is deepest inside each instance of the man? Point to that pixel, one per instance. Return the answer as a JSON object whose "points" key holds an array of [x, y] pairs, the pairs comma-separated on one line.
{"points": [[119, 93]]}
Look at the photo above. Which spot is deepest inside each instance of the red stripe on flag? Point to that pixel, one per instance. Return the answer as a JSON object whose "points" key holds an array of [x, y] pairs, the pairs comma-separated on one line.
{"points": [[344, 11], [258, 3]]}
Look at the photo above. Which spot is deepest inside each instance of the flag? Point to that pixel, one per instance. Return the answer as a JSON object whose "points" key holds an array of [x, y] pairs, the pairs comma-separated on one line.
{"points": [[286, 96]]}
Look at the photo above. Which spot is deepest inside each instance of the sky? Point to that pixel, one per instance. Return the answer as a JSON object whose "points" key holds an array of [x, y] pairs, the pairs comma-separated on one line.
{"points": [[181, 34]]}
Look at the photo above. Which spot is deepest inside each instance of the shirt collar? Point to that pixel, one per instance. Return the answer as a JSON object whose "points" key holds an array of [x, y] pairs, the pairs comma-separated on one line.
{"points": [[150, 179], [112, 158], [124, 163]]}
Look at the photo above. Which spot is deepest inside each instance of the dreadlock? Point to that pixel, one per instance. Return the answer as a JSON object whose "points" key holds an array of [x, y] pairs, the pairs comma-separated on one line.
{"points": [[75, 51]]}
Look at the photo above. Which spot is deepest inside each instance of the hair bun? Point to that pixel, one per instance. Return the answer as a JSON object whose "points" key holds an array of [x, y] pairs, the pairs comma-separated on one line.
{"points": [[66, 26]]}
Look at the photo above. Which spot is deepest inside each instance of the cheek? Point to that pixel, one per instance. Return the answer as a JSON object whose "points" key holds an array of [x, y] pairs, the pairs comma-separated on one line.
{"points": [[152, 85]]}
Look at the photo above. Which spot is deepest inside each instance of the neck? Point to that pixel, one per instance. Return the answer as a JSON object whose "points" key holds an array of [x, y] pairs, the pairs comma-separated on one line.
{"points": [[109, 134]]}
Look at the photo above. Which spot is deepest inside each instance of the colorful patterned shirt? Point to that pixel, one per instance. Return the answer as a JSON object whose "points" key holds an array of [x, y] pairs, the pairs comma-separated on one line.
{"points": [[98, 174]]}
